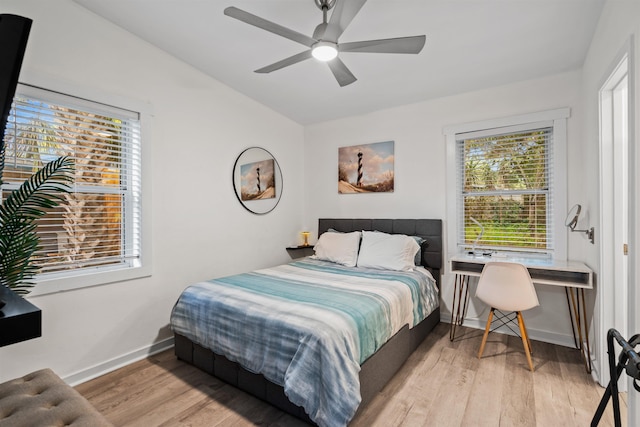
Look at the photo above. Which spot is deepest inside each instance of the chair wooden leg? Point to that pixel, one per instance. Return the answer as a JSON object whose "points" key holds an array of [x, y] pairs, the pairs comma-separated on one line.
{"points": [[528, 340], [525, 339], [486, 333]]}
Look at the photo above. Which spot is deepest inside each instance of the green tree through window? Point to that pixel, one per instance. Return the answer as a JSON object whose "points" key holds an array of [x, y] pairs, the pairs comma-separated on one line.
{"points": [[505, 187]]}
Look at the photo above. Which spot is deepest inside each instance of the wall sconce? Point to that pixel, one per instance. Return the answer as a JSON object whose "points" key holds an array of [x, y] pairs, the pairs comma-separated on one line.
{"points": [[572, 222]]}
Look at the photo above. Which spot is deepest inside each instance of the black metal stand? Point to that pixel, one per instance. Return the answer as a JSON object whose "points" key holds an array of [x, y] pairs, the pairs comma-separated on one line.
{"points": [[630, 362]]}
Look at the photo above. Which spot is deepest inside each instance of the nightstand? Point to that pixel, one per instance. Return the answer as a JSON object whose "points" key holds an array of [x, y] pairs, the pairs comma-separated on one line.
{"points": [[300, 251]]}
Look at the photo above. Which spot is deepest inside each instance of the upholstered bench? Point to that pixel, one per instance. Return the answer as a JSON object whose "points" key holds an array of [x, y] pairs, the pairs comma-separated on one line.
{"points": [[41, 398]]}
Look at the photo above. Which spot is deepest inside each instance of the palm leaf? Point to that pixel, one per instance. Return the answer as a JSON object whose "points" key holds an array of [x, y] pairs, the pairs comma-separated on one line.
{"points": [[18, 215], [15, 268], [2, 145]]}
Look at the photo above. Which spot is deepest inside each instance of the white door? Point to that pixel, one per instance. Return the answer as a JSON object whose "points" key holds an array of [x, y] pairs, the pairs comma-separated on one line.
{"points": [[614, 203]]}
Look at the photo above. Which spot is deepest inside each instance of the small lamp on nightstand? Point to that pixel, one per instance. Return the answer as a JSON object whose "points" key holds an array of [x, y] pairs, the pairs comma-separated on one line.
{"points": [[305, 236]]}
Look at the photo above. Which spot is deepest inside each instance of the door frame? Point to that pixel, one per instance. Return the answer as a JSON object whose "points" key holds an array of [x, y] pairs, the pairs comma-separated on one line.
{"points": [[623, 64]]}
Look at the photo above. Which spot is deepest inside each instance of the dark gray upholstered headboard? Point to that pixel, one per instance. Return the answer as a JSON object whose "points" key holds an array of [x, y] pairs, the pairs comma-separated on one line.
{"points": [[428, 229]]}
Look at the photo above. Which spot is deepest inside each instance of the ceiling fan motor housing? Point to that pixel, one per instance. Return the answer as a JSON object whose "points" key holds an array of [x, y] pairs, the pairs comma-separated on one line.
{"points": [[325, 4]]}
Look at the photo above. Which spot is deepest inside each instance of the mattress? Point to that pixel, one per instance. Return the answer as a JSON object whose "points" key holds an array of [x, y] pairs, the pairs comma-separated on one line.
{"points": [[307, 325]]}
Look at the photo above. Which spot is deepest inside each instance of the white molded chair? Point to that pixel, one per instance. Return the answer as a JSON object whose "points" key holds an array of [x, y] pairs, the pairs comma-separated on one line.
{"points": [[507, 287]]}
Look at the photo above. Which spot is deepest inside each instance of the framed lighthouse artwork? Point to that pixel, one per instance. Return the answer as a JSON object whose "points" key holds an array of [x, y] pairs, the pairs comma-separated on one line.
{"points": [[366, 168], [257, 180]]}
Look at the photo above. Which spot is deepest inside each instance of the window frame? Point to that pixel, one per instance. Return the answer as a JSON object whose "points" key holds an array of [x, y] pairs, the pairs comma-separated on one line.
{"points": [[75, 279], [557, 119]]}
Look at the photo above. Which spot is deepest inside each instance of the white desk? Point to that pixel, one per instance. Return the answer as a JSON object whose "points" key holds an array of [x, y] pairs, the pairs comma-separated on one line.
{"points": [[574, 276]]}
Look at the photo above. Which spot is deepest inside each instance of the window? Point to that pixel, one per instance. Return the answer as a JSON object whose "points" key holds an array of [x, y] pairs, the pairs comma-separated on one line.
{"points": [[507, 184], [505, 189], [98, 227]]}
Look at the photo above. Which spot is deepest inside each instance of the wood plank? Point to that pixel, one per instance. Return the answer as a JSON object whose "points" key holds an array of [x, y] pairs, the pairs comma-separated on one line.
{"points": [[488, 384], [584, 397], [443, 383], [518, 399], [452, 396], [551, 394]]}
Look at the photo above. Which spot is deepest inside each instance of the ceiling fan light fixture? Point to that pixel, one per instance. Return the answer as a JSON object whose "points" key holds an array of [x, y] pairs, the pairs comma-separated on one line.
{"points": [[323, 45], [324, 51]]}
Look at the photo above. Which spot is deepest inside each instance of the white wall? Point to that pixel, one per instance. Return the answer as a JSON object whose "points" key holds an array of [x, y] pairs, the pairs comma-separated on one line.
{"points": [[199, 231], [619, 24], [420, 169]]}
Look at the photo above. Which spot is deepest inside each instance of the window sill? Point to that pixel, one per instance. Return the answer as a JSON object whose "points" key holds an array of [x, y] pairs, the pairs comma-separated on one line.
{"points": [[50, 285]]}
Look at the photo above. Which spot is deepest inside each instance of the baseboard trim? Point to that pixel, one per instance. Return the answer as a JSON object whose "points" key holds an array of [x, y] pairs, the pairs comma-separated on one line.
{"points": [[118, 362], [534, 334]]}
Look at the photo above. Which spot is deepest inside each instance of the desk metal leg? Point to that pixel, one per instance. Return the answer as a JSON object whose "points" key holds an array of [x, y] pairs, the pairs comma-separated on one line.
{"points": [[579, 315], [587, 355], [459, 306], [573, 327]]}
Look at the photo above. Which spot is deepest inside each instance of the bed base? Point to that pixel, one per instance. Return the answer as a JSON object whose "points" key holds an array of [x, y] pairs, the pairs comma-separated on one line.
{"points": [[374, 374]]}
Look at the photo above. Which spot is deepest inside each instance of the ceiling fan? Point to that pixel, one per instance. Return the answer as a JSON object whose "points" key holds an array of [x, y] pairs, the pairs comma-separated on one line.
{"points": [[323, 45]]}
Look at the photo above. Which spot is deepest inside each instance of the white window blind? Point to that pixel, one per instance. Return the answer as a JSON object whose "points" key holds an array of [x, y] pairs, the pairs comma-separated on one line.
{"points": [[98, 224], [505, 180]]}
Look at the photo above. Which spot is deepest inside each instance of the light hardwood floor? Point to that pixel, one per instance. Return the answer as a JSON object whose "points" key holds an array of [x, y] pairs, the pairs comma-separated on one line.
{"points": [[442, 384]]}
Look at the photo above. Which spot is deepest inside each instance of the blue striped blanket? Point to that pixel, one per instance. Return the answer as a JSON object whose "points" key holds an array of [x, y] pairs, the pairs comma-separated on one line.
{"points": [[306, 326]]}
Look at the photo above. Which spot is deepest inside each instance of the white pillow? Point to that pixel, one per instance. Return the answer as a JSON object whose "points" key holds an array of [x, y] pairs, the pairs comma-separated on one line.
{"points": [[387, 251], [341, 248]]}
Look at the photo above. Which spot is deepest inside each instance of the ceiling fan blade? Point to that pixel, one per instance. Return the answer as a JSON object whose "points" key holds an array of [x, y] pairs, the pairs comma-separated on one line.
{"points": [[397, 45], [272, 27], [343, 13], [285, 62], [341, 72]]}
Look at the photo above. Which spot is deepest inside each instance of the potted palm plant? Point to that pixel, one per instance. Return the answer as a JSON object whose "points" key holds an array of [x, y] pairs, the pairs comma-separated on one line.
{"points": [[44, 190], [18, 220]]}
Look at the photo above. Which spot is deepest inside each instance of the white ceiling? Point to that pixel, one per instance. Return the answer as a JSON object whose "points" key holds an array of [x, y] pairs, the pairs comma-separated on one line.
{"points": [[471, 45]]}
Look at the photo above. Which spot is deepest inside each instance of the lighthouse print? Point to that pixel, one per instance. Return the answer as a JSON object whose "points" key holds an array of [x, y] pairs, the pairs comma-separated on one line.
{"points": [[258, 180], [366, 168]]}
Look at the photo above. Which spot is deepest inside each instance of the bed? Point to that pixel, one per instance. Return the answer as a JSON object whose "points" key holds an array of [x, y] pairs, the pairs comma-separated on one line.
{"points": [[281, 368]]}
